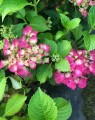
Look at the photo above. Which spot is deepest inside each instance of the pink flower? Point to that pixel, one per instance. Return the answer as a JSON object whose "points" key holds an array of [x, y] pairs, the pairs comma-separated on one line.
{"points": [[92, 67], [77, 72], [6, 44], [27, 30], [6, 52], [82, 82], [32, 64], [33, 40], [2, 64], [20, 63], [79, 2], [45, 47], [92, 3], [92, 55], [59, 77], [79, 62], [13, 68], [70, 58], [22, 43], [21, 52], [33, 33], [83, 12], [15, 42], [23, 72], [71, 84]]}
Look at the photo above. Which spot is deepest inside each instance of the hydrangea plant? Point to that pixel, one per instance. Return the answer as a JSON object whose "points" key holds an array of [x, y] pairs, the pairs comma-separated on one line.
{"points": [[44, 42]]}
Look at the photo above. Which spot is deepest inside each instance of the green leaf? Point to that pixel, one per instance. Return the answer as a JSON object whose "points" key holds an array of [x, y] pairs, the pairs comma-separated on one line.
{"points": [[2, 86], [2, 118], [77, 32], [63, 65], [2, 73], [69, 24], [15, 84], [39, 23], [73, 23], [46, 35], [10, 6], [64, 108], [30, 14], [44, 72], [42, 107], [2, 109], [14, 104], [64, 20], [89, 41], [21, 14], [1, 2], [64, 48], [17, 29], [53, 46], [59, 34], [91, 17]]}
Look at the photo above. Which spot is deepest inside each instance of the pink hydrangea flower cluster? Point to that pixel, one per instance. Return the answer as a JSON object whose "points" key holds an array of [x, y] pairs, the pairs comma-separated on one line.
{"points": [[81, 64], [22, 53], [83, 5]]}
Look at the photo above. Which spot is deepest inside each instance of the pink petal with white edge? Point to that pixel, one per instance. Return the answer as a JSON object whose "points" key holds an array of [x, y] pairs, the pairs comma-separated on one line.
{"points": [[27, 30], [45, 47], [32, 65]]}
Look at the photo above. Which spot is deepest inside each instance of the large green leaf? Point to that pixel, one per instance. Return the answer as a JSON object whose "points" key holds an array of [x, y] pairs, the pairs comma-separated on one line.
{"points": [[2, 118], [42, 107], [10, 6], [44, 72], [14, 104], [89, 41], [77, 32], [64, 48], [91, 17], [64, 20], [73, 23], [69, 24], [2, 86], [1, 2], [39, 23], [62, 65], [64, 108], [53, 46]]}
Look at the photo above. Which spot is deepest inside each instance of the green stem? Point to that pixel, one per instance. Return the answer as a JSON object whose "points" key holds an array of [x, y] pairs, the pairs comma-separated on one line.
{"points": [[90, 30], [35, 6]]}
